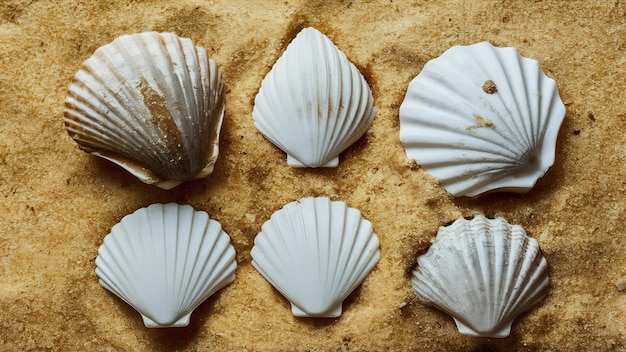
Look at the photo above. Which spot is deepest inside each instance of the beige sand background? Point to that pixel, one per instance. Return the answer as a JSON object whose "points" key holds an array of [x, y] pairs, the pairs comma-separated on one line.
{"points": [[59, 202]]}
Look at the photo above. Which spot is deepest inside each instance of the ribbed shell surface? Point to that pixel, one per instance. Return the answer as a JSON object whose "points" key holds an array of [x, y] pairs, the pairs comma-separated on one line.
{"points": [[164, 260], [481, 118], [316, 252], [484, 273], [314, 103], [152, 103]]}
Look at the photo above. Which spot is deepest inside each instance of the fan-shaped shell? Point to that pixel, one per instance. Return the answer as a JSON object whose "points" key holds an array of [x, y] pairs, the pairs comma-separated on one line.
{"points": [[315, 252], [314, 103], [484, 273], [164, 260], [153, 104], [481, 118]]}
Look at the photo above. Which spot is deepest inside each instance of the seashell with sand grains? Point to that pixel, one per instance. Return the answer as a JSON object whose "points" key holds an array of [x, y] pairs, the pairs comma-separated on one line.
{"points": [[480, 119], [314, 103], [315, 252], [165, 260], [484, 273], [153, 104]]}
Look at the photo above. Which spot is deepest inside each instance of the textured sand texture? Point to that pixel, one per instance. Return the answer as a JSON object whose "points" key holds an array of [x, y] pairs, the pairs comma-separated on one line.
{"points": [[58, 202]]}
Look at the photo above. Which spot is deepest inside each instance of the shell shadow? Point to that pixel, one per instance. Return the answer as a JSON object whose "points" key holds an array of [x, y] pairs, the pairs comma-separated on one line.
{"points": [[169, 339], [175, 339], [321, 322]]}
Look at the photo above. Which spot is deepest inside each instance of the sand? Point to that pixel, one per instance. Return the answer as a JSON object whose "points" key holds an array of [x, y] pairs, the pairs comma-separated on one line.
{"points": [[59, 202]]}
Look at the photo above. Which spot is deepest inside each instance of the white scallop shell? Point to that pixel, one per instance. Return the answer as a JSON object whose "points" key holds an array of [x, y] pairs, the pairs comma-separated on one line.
{"points": [[316, 252], [484, 273], [314, 103], [164, 260], [152, 103], [475, 138]]}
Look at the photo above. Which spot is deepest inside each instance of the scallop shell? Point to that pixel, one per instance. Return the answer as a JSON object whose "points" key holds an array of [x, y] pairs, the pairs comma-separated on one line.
{"points": [[481, 118], [315, 252], [314, 103], [484, 273], [164, 260], [152, 103]]}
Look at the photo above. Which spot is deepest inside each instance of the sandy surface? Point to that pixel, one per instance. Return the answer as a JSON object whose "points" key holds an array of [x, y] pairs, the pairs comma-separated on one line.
{"points": [[59, 202]]}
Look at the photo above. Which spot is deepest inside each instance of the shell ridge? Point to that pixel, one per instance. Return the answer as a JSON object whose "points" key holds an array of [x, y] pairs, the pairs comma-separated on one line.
{"points": [[468, 277], [218, 247], [213, 107], [181, 100], [179, 276], [201, 93], [329, 93], [107, 272], [263, 250], [310, 252], [343, 123], [337, 277], [165, 289], [182, 56], [134, 59], [293, 228], [270, 100], [157, 71], [555, 113], [546, 93], [343, 90], [97, 138], [487, 153], [473, 259], [439, 122], [431, 288], [222, 259], [506, 258], [115, 111], [515, 130], [489, 281], [279, 228], [516, 271], [186, 284], [360, 255], [529, 282], [127, 254], [548, 102], [322, 71], [266, 245], [133, 115], [514, 254], [349, 123], [136, 246], [366, 258], [330, 84], [211, 245], [359, 252], [321, 214], [532, 73], [307, 47]]}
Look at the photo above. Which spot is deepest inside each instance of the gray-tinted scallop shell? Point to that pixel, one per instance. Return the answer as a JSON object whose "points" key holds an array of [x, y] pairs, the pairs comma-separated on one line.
{"points": [[152, 103], [484, 273]]}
